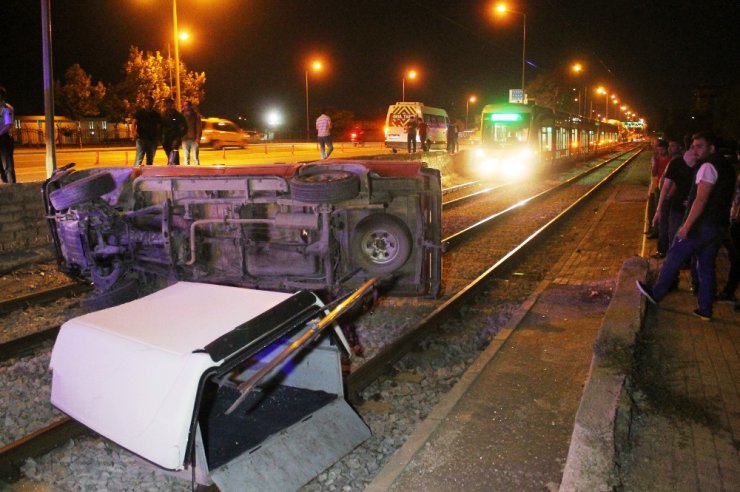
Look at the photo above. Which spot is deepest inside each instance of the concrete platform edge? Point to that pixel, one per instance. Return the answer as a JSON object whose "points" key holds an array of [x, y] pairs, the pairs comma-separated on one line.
{"points": [[604, 409]]}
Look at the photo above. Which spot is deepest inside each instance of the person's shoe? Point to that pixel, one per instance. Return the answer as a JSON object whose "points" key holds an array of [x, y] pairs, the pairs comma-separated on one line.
{"points": [[646, 291], [658, 255], [703, 317]]}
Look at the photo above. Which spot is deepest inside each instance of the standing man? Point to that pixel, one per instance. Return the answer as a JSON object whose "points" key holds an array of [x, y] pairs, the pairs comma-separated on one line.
{"points": [[674, 191], [703, 229], [658, 163], [423, 134], [7, 165], [411, 135], [191, 140], [174, 128], [323, 129], [147, 130]]}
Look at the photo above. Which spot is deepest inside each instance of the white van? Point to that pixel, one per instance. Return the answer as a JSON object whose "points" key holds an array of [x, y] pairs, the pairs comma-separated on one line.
{"points": [[400, 114]]}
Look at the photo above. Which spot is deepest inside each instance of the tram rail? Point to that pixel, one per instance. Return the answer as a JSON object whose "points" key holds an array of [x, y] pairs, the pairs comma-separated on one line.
{"points": [[57, 434]]}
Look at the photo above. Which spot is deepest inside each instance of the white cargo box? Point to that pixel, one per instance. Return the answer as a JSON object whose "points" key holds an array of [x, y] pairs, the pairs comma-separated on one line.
{"points": [[156, 375]]}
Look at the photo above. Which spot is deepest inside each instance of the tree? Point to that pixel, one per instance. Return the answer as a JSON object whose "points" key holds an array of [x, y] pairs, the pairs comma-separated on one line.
{"points": [[148, 74], [77, 97], [550, 89]]}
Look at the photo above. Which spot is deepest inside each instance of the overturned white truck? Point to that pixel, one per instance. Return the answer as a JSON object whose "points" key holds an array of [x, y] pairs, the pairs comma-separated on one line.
{"points": [[318, 226], [234, 384]]}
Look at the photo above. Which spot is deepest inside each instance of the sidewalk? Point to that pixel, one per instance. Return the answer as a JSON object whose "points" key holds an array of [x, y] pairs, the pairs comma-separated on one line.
{"points": [[687, 421]]}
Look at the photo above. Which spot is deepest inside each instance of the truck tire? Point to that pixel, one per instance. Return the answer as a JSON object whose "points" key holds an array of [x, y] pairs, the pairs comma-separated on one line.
{"points": [[325, 187], [83, 190], [380, 244]]}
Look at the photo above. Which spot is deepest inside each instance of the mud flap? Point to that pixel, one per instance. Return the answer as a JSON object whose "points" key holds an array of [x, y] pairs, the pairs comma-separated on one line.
{"points": [[295, 455]]}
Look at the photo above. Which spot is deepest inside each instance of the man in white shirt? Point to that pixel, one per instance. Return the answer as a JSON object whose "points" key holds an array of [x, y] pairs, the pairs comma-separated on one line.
{"points": [[7, 165], [323, 128]]}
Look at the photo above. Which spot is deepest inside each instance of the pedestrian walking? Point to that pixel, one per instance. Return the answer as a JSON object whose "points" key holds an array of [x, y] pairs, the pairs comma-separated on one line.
{"points": [[147, 129], [174, 128], [191, 140], [702, 231], [323, 131], [7, 147]]}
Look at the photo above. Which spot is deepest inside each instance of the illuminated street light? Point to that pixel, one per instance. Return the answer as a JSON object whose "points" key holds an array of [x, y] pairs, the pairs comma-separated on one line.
{"points": [[178, 103], [577, 69], [601, 90], [315, 66], [501, 8], [471, 99], [411, 74]]}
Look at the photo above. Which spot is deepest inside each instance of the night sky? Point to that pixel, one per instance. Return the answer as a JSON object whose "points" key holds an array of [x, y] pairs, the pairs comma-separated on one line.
{"points": [[254, 52]]}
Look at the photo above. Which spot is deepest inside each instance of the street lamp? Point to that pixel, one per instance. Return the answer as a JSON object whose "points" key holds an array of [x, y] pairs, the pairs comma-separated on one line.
{"points": [[471, 99], [411, 74], [315, 66], [178, 104], [577, 69], [502, 9], [601, 90]]}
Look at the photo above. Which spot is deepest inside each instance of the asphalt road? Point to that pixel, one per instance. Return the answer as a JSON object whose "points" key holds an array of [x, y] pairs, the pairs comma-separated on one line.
{"points": [[30, 163]]}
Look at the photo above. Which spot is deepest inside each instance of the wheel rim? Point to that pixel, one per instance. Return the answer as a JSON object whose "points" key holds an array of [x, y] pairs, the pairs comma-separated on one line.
{"points": [[380, 246]]}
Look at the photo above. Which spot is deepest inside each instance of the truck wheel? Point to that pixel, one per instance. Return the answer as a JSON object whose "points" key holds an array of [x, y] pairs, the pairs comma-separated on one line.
{"points": [[82, 190], [325, 187], [124, 291], [381, 244]]}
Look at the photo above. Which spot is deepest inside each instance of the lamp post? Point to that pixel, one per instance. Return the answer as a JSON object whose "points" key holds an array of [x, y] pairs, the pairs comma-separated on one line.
{"points": [[502, 9], [316, 66], [471, 99], [577, 69], [601, 90], [175, 34], [411, 74]]}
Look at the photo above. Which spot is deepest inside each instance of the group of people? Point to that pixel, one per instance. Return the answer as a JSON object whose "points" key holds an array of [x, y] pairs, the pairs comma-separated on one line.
{"points": [[697, 211], [171, 127], [418, 126]]}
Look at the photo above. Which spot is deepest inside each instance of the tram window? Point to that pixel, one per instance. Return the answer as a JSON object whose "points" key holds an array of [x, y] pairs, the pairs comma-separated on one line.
{"points": [[546, 139], [504, 133]]}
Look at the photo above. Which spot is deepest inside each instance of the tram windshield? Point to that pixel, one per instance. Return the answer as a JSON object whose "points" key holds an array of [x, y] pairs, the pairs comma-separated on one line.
{"points": [[505, 129]]}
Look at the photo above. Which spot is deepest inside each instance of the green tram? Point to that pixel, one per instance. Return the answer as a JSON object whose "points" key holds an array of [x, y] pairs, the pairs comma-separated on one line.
{"points": [[515, 138]]}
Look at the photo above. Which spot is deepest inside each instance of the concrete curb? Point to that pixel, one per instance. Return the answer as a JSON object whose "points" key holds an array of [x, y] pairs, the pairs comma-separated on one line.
{"points": [[603, 414]]}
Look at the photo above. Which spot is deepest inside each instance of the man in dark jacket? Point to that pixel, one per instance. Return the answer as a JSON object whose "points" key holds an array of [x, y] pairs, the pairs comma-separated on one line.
{"points": [[147, 129], [174, 127]]}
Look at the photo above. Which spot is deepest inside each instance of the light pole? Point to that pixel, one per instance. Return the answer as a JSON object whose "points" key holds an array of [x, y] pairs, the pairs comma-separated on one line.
{"points": [[471, 99], [577, 69], [502, 9], [178, 104], [316, 65], [411, 74], [601, 90]]}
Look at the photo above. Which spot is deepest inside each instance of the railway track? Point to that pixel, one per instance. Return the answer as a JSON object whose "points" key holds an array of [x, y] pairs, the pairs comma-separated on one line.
{"points": [[55, 435], [43, 296]]}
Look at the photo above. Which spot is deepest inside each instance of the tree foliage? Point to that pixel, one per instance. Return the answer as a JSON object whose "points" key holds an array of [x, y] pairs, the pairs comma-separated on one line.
{"points": [[77, 97], [550, 89], [148, 74]]}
